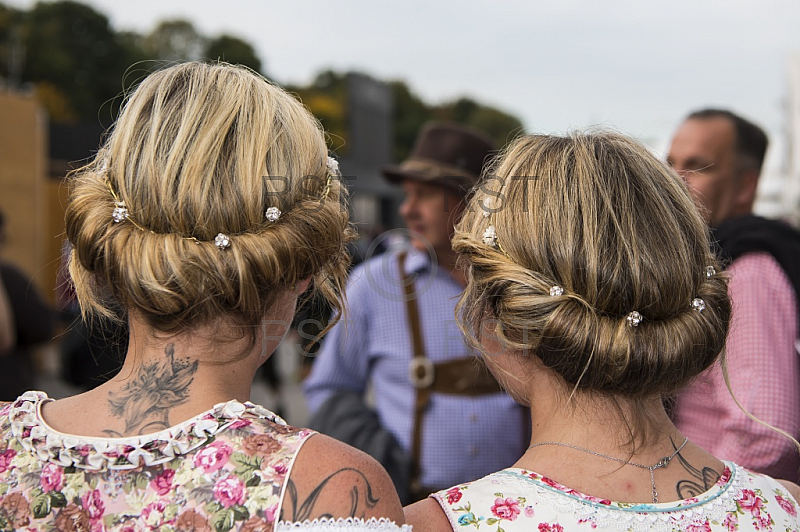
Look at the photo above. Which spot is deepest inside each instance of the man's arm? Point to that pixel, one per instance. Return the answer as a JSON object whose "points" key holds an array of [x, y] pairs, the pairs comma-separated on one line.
{"points": [[763, 368]]}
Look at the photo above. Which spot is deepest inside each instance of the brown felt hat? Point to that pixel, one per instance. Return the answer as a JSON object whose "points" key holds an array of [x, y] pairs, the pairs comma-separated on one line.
{"points": [[445, 153]]}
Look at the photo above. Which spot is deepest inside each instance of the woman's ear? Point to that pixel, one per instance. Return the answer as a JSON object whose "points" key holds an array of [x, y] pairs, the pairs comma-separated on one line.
{"points": [[301, 286]]}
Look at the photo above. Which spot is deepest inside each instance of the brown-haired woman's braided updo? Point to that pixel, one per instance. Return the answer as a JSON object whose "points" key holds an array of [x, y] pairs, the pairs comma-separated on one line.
{"points": [[588, 230], [201, 150]]}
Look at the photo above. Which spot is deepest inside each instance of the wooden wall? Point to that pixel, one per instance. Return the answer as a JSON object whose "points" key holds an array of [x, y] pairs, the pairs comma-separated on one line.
{"points": [[32, 202]]}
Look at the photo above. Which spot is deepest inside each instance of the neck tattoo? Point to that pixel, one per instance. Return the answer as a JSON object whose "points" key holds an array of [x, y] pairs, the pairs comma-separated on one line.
{"points": [[664, 462]]}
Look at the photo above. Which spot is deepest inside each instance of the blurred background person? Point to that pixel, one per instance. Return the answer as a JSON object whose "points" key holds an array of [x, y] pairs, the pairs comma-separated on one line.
{"points": [[720, 154], [432, 396], [90, 351], [593, 293], [26, 321]]}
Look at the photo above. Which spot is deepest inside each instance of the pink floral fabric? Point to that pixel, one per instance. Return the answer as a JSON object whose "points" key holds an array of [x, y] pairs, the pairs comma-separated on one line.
{"points": [[223, 470], [516, 500]]}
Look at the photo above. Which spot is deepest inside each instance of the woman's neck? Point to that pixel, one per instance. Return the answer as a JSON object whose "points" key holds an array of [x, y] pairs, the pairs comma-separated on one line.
{"points": [[587, 442], [168, 379], [599, 423]]}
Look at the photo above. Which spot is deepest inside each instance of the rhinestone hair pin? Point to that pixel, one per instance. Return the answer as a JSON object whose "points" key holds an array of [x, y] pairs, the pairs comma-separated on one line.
{"points": [[699, 304], [222, 241], [333, 166], [273, 214], [120, 212], [333, 171], [634, 319], [490, 235]]}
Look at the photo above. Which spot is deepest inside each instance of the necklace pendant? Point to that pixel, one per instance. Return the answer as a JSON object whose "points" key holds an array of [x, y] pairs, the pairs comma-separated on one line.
{"points": [[664, 462]]}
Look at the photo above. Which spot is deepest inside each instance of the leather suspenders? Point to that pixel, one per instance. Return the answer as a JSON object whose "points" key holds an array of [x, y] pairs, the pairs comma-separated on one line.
{"points": [[463, 376]]}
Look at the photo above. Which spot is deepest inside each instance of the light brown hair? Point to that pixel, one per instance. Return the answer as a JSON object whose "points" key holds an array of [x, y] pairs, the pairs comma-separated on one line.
{"points": [[598, 215], [201, 149]]}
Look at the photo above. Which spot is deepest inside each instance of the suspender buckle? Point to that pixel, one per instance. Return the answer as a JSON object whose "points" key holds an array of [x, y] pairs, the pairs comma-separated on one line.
{"points": [[422, 372]]}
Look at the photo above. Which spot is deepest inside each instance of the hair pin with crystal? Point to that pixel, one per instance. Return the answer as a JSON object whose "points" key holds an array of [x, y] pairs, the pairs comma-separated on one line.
{"points": [[273, 214], [556, 291], [698, 304], [333, 166], [120, 212], [490, 236], [710, 271], [222, 241], [333, 170], [634, 319]]}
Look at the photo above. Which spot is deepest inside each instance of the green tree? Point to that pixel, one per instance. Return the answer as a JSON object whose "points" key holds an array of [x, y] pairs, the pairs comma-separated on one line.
{"points": [[72, 48], [326, 97], [410, 113], [460, 110], [233, 50], [175, 40], [81, 67], [10, 43], [500, 126]]}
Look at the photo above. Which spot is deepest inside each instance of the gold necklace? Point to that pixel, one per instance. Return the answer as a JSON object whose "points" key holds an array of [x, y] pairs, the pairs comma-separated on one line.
{"points": [[664, 462]]}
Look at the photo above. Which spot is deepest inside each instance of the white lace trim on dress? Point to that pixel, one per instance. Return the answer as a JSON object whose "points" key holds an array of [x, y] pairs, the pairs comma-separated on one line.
{"points": [[92, 453], [342, 525], [712, 506]]}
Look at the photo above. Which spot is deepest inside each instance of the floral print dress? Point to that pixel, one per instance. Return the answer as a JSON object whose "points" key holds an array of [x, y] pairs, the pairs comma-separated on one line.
{"points": [[514, 500], [222, 470]]}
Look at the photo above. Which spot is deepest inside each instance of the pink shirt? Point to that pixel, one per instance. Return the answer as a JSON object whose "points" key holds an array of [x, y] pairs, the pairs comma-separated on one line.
{"points": [[763, 368]]}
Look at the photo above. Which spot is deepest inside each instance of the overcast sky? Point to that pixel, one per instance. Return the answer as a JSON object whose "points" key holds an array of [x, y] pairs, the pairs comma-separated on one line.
{"points": [[638, 66]]}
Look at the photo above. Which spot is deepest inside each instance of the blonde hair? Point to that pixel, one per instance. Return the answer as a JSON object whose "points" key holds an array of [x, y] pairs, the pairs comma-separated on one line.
{"points": [[201, 149], [598, 215]]}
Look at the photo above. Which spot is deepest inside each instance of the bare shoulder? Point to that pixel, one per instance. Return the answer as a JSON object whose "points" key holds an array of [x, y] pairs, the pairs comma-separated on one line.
{"points": [[331, 479], [793, 488], [426, 516]]}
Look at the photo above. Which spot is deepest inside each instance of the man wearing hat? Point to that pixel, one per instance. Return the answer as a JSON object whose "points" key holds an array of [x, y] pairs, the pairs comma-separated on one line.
{"points": [[432, 396]]}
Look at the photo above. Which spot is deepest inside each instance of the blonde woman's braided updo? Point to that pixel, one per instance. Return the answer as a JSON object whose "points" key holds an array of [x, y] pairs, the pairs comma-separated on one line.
{"points": [[599, 216], [202, 149]]}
